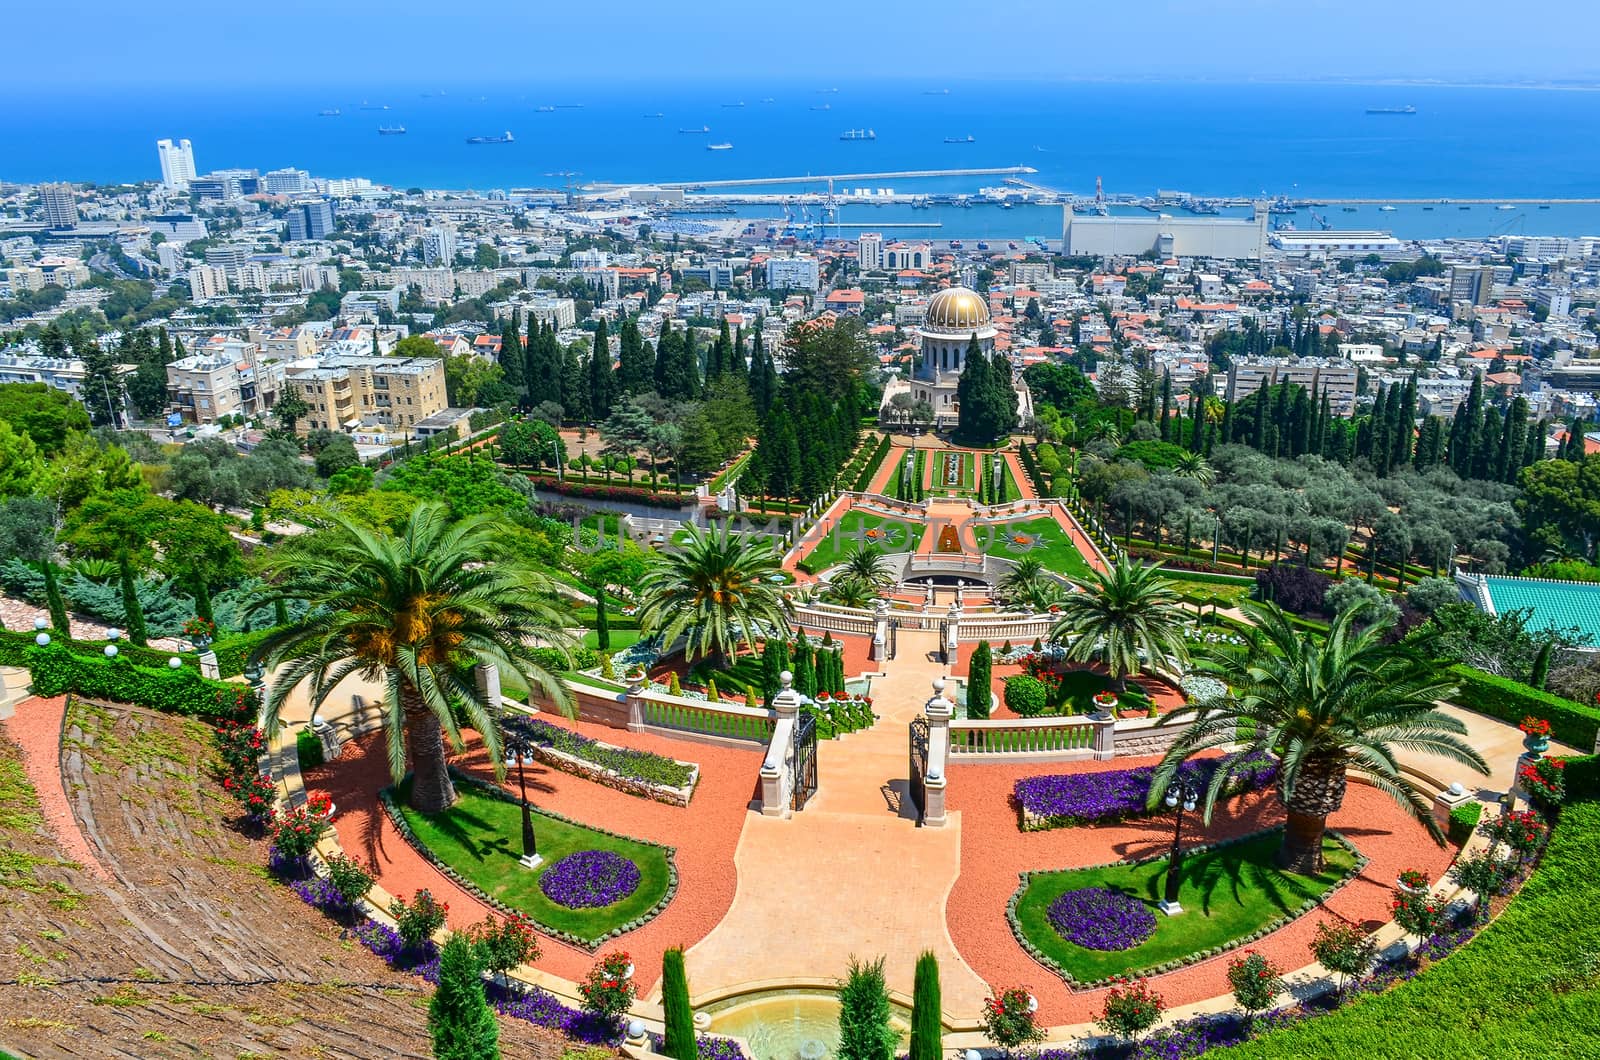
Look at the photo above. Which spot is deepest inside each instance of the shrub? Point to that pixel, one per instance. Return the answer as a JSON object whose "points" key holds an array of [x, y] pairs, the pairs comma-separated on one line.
{"points": [[1417, 914], [679, 1041], [1255, 980], [1295, 589], [308, 749], [1025, 695], [608, 989], [295, 833], [1463, 819], [645, 766], [418, 920], [927, 1030], [460, 1021], [864, 1030], [1544, 781], [1131, 1008], [1343, 949], [979, 683], [1008, 1019], [1481, 873], [502, 943], [1521, 830], [349, 877], [56, 671]]}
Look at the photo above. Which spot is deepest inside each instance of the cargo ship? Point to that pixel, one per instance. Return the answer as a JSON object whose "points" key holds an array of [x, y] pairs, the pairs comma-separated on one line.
{"points": [[719, 147], [391, 130], [969, 139], [504, 138], [1408, 109], [858, 134]]}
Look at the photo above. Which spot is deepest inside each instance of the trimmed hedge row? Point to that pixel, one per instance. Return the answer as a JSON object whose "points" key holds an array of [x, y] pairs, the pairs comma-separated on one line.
{"points": [[57, 670], [234, 652], [870, 468], [1500, 697], [14, 648]]}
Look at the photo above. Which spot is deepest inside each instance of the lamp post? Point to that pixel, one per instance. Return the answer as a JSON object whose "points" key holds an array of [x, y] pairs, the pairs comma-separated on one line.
{"points": [[1181, 797], [518, 746]]}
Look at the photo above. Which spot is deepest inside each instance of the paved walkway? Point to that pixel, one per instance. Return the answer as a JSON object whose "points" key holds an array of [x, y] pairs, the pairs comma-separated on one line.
{"points": [[850, 874], [36, 730]]}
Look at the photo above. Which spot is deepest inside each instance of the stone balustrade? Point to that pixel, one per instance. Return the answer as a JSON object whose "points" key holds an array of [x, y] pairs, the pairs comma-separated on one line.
{"points": [[1057, 739]]}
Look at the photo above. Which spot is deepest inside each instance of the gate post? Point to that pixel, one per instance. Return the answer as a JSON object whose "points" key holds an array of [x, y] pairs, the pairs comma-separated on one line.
{"points": [[1105, 735], [880, 629], [939, 710], [775, 767], [952, 633], [486, 675], [636, 687]]}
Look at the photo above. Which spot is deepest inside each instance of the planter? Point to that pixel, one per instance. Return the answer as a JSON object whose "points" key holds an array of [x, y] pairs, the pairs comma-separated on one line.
{"points": [[1408, 889], [1536, 745]]}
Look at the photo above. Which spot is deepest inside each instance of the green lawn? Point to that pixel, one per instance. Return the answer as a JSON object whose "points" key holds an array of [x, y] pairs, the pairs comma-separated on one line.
{"points": [[853, 530], [1049, 542], [620, 638], [966, 481], [1077, 691], [892, 489], [481, 838], [1226, 894]]}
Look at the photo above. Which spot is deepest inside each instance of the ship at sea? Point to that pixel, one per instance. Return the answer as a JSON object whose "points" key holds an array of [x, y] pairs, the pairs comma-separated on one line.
{"points": [[504, 138], [391, 130], [373, 106], [696, 132], [547, 109], [734, 105], [331, 112], [719, 147], [824, 106], [858, 134], [968, 139], [1407, 109]]}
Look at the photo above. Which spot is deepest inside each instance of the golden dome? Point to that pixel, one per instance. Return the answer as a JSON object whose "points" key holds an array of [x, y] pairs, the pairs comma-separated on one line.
{"points": [[957, 309]]}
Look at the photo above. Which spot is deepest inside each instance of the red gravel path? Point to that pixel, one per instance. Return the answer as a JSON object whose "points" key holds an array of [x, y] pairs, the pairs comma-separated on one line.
{"points": [[36, 729], [704, 835], [994, 851]]}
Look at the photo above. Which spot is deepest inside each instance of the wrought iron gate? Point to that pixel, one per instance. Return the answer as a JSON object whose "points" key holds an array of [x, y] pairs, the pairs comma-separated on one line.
{"points": [[917, 790], [803, 778], [894, 629]]}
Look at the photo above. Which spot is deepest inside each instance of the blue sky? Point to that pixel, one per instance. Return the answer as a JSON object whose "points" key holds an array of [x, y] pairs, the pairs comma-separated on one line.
{"points": [[103, 43]]}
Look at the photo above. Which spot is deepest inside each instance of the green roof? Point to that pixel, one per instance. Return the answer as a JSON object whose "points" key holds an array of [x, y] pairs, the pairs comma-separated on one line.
{"points": [[1556, 605]]}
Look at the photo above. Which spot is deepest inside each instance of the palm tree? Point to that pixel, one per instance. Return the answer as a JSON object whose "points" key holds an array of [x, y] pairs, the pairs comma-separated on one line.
{"points": [[1195, 466], [1029, 584], [848, 590], [866, 564], [1326, 708], [1119, 614], [718, 589], [414, 609]]}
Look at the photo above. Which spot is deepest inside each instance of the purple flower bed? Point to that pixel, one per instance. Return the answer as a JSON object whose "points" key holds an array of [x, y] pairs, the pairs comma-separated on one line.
{"points": [[1080, 798], [1099, 918], [321, 894], [709, 1046], [589, 879]]}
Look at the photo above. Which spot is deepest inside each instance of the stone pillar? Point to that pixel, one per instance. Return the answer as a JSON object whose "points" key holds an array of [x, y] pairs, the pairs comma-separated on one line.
{"points": [[487, 678], [935, 781], [209, 666], [1105, 736], [636, 687], [1447, 800], [13, 689], [930, 594], [775, 767], [880, 629], [328, 736], [952, 633]]}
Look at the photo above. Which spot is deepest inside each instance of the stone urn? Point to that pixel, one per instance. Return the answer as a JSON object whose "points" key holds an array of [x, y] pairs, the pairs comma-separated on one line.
{"points": [[1535, 744]]}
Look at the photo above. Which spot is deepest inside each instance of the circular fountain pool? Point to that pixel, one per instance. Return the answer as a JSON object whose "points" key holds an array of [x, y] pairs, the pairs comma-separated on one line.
{"points": [[790, 1025]]}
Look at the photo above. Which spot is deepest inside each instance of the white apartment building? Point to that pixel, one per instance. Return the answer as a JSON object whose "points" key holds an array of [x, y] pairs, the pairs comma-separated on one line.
{"points": [[286, 181], [207, 281], [177, 163], [869, 251], [58, 205], [799, 273], [1334, 377], [438, 245]]}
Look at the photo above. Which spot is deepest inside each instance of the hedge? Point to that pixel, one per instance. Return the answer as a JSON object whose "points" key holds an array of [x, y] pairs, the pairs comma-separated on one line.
{"points": [[1463, 819], [1181, 575], [234, 652], [864, 479], [1500, 697], [57, 670], [1524, 987], [14, 648], [633, 494]]}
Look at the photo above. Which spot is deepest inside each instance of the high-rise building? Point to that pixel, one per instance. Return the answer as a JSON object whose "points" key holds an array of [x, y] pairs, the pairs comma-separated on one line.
{"points": [[310, 220], [177, 163], [286, 181], [228, 255], [207, 281], [869, 251], [1472, 284], [438, 246], [58, 204]]}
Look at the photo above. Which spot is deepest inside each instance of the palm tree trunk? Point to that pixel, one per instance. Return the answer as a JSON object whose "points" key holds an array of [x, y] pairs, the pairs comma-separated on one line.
{"points": [[1319, 788], [1301, 851], [431, 790]]}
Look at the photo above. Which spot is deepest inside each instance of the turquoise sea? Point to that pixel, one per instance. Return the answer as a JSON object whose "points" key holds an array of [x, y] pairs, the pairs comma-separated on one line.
{"points": [[1203, 138]]}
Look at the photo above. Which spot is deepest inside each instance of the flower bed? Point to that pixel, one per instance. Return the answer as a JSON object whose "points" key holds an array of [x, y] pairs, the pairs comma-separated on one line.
{"points": [[589, 879], [1099, 918], [1062, 800], [643, 773]]}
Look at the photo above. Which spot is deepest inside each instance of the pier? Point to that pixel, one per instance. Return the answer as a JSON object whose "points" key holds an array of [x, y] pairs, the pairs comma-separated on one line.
{"points": [[815, 178]]}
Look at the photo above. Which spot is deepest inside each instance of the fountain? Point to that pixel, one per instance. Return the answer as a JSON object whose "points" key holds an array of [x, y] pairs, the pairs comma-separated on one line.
{"points": [[790, 1025]]}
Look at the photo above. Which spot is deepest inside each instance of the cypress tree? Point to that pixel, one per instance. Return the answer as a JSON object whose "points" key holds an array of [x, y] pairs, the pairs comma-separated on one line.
{"points": [[513, 369], [574, 385], [202, 597], [666, 358], [1197, 410], [1300, 423], [864, 1030], [1575, 435], [1259, 437], [60, 621], [721, 357], [1533, 446], [686, 372], [1408, 420], [280, 613], [1227, 423], [771, 667], [1280, 421], [132, 612], [736, 359], [634, 359], [601, 378], [927, 1008], [1166, 406], [805, 674], [679, 1041], [459, 1018], [602, 624], [1483, 454], [1323, 419], [1541, 666], [980, 683]]}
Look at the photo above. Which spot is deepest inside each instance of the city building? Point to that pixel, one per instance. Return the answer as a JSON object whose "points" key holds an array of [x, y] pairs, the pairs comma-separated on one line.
{"points": [[1302, 244], [310, 220], [1331, 376], [1472, 284], [438, 246], [800, 274], [286, 181], [207, 281], [227, 377], [869, 251], [228, 255], [955, 317], [1166, 236], [58, 205], [176, 227], [349, 392], [177, 163]]}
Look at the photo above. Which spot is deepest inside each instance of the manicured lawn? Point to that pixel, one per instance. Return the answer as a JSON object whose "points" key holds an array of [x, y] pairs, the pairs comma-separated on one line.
{"points": [[899, 535], [892, 489], [481, 838], [620, 638], [1226, 894], [965, 481], [1076, 693], [1048, 541]]}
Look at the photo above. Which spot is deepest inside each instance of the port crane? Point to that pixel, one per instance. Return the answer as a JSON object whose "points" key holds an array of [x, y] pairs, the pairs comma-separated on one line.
{"points": [[568, 174]]}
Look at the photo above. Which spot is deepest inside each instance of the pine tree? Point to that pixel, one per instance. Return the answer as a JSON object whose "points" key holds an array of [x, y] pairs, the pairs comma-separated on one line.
{"points": [[133, 613], [101, 387], [460, 1021], [679, 1041], [927, 1010], [864, 1030]]}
